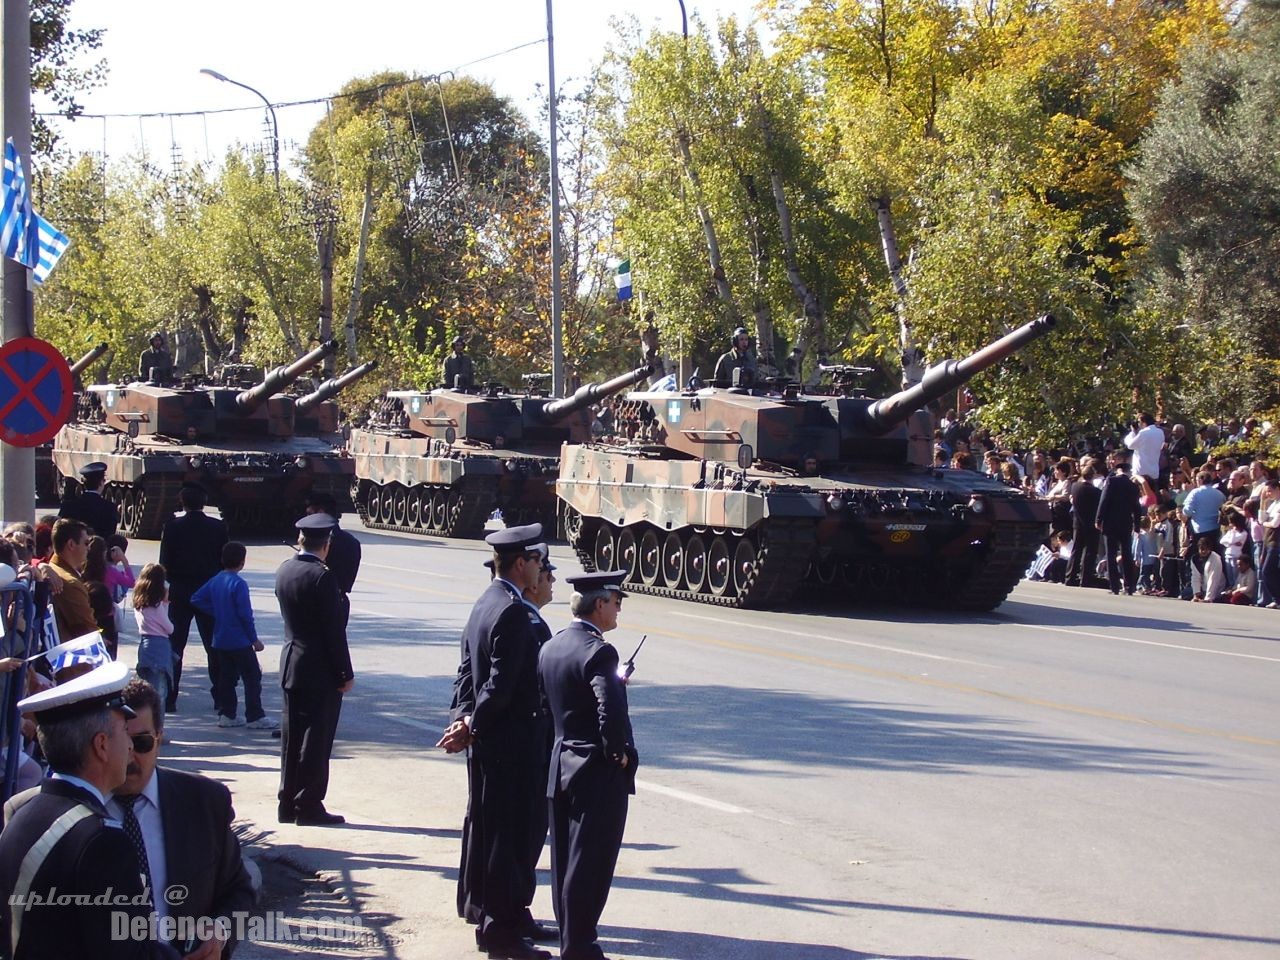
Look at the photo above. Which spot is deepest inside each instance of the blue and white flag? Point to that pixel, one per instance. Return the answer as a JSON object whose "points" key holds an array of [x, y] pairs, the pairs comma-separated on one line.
{"points": [[25, 236], [622, 280]]}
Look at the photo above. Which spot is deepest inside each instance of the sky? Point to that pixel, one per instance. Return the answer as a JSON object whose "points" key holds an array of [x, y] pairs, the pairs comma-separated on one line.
{"points": [[299, 50]]}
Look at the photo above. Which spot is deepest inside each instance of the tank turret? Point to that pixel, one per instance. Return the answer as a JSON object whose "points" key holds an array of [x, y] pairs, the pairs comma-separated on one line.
{"points": [[333, 386], [282, 377], [89, 357], [941, 378], [742, 498]]}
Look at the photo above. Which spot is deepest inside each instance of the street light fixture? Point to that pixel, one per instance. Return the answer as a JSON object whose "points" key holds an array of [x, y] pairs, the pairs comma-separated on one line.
{"points": [[275, 127]]}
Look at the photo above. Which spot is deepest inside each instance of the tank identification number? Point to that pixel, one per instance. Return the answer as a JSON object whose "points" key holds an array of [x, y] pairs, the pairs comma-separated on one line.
{"points": [[904, 526], [673, 411]]}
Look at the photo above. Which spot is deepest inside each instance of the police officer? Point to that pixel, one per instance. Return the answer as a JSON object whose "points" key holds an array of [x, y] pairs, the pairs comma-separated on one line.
{"points": [[497, 713], [315, 671], [91, 508], [344, 548], [593, 762], [62, 845], [738, 358], [156, 363], [459, 374]]}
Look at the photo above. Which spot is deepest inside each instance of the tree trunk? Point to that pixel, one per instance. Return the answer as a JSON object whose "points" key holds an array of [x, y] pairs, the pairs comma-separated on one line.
{"points": [[357, 275], [912, 356], [723, 290], [213, 347]]}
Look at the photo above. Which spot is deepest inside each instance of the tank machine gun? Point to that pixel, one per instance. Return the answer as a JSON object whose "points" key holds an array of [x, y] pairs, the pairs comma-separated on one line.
{"points": [[441, 462], [245, 446], [738, 498]]}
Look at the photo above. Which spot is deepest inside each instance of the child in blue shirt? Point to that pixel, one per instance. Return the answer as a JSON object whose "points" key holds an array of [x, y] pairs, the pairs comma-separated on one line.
{"points": [[235, 642]]}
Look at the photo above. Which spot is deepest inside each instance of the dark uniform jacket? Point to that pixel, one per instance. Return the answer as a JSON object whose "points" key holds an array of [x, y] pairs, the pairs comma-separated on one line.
{"points": [[1119, 507], [1084, 504], [314, 610], [94, 856], [459, 372], [343, 559], [161, 360], [191, 551], [731, 361], [93, 509], [501, 660], [588, 704]]}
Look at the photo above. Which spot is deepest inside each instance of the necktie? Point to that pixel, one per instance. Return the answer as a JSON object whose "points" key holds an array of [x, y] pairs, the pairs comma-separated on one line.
{"points": [[133, 831]]}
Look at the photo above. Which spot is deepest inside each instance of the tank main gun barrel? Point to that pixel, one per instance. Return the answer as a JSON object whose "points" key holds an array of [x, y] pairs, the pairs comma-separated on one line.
{"points": [[883, 415], [89, 357], [591, 393], [333, 386], [281, 377]]}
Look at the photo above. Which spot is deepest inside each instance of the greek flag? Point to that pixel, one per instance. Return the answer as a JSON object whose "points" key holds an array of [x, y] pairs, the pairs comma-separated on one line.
{"points": [[622, 280], [25, 236]]}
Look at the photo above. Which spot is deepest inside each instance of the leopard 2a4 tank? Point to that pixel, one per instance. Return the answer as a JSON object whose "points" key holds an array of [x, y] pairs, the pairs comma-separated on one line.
{"points": [[256, 451], [740, 497], [440, 462]]}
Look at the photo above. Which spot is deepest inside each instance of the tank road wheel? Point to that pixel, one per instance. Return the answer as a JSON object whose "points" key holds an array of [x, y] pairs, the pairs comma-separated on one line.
{"points": [[826, 570], [440, 510], [399, 504], [375, 503], [672, 559], [695, 563], [387, 508], [719, 567], [627, 554], [650, 558], [744, 566], [572, 524], [414, 507], [604, 551]]}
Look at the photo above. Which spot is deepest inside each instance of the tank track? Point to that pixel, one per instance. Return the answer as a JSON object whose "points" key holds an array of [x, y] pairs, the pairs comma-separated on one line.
{"points": [[782, 559], [994, 579], [154, 501], [466, 519]]}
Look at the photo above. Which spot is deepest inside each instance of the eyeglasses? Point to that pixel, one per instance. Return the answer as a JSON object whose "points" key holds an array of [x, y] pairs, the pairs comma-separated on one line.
{"points": [[143, 742]]}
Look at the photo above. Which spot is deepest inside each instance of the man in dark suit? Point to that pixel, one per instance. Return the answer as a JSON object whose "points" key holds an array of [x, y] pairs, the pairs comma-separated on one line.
{"points": [[1082, 570], [91, 507], [315, 671], [191, 554], [1119, 513], [62, 842], [185, 822], [344, 548], [593, 761], [497, 713]]}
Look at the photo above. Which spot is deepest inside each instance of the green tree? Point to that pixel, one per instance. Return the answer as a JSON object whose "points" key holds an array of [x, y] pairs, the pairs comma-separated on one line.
{"points": [[56, 49]]}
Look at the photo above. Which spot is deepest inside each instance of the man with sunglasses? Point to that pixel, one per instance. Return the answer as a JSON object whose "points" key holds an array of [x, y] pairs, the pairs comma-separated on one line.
{"points": [[181, 823], [593, 762], [497, 714]]}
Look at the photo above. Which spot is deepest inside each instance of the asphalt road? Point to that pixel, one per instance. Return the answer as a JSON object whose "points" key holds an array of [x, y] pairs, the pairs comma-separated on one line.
{"points": [[1076, 775]]}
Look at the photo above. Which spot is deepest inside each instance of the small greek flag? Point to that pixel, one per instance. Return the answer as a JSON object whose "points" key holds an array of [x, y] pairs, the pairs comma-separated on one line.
{"points": [[25, 236], [622, 280]]}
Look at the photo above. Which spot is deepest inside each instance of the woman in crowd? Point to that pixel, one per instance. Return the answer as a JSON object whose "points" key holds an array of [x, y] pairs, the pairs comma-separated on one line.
{"points": [[104, 608]]}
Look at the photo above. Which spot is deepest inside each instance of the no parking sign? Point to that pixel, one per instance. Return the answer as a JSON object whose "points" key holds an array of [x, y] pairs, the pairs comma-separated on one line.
{"points": [[36, 392]]}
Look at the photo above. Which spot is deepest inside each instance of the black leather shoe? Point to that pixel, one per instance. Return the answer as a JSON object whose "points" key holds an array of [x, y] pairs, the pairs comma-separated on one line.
{"points": [[286, 814], [540, 932], [319, 818], [509, 948]]}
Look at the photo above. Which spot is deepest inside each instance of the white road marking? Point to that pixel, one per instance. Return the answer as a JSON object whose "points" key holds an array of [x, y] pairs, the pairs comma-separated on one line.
{"points": [[419, 573], [1157, 643], [689, 797], [850, 643]]}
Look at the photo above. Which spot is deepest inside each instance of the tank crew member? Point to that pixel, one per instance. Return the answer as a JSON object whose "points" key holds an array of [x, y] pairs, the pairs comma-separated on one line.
{"points": [[593, 762], [191, 554], [497, 714], [344, 548], [737, 358], [315, 671], [156, 363], [91, 507], [459, 373], [61, 844]]}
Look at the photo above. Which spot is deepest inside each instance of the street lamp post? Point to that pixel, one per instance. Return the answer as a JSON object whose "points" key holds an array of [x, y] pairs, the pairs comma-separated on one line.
{"points": [[271, 110], [557, 337]]}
